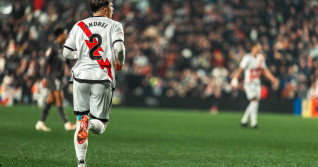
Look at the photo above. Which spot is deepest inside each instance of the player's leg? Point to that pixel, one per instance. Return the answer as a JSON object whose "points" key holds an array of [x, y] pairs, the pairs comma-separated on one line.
{"points": [[59, 104], [81, 95], [97, 126], [58, 95], [254, 112], [101, 98], [255, 105], [81, 143], [246, 115], [40, 125], [250, 95]]}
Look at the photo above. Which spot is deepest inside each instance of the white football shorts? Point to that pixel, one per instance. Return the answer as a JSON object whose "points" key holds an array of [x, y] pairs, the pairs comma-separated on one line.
{"points": [[93, 98], [252, 90]]}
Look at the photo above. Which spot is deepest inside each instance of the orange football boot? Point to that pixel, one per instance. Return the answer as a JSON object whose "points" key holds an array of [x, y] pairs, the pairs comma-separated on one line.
{"points": [[83, 131]]}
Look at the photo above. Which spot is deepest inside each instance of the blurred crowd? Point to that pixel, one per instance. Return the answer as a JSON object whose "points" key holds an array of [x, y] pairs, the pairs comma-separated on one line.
{"points": [[175, 48]]}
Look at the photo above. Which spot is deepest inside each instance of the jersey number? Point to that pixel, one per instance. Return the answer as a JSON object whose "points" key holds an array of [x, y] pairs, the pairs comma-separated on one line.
{"points": [[255, 74], [92, 40], [94, 54]]}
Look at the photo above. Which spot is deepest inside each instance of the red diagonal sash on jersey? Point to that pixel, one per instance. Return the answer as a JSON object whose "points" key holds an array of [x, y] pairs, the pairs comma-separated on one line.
{"points": [[255, 74], [103, 64]]}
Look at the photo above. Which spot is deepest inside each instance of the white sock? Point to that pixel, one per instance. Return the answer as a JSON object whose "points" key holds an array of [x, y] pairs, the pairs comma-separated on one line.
{"points": [[97, 126], [246, 113], [254, 112], [80, 149]]}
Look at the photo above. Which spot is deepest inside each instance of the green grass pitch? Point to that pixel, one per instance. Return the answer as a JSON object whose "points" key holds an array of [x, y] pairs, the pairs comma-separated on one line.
{"points": [[155, 137]]}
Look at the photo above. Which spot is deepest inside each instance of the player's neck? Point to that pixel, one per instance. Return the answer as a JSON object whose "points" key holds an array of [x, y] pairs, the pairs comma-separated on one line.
{"points": [[98, 14], [254, 54]]}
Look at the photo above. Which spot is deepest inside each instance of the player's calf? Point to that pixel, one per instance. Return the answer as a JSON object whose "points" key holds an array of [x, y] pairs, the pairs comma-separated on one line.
{"points": [[80, 139], [83, 130]]}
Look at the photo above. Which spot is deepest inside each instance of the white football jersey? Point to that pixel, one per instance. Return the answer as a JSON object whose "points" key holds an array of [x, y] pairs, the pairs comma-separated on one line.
{"points": [[94, 39], [253, 67]]}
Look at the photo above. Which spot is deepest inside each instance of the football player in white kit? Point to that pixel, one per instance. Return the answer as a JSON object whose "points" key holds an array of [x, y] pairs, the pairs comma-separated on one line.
{"points": [[98, 43], [254, 65]]}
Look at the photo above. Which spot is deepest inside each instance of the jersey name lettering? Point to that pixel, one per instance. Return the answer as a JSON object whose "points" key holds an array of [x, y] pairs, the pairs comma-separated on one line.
{"points": [[100, 24]]}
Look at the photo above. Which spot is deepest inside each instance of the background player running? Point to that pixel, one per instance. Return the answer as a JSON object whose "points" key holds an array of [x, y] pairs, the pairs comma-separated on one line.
{"points": [[254, 65], [54, 72], [96, 39]]}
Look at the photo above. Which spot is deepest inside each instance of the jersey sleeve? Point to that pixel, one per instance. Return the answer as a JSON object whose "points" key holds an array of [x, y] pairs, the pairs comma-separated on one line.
{"points": [[244, 62], [70, 42], [117, 33]]}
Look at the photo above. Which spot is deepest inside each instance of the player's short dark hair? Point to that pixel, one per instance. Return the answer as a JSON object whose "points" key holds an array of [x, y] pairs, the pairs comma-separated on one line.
{"points": [[58, 31], [97, 4], [255, 43]]}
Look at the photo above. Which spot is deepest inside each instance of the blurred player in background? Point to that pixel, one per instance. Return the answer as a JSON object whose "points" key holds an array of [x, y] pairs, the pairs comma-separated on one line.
{"points": [[254, 65], [98, 41], [54, 72]]}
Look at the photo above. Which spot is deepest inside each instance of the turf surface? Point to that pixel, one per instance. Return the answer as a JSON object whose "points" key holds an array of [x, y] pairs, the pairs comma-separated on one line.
{"points": [[153, 137]]}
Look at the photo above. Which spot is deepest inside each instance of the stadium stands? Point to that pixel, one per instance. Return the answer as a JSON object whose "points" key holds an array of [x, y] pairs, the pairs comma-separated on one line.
{"points": [[174, 48]]}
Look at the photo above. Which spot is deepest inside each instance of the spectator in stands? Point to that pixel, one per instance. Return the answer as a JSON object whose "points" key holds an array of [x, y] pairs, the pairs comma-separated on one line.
{"points": [[215, 33]]}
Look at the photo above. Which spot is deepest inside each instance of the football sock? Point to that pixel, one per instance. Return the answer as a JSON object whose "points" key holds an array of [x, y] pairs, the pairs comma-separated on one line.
{"points": [[79, 117], [254, 112], [97, 126], [246, 113], [62, 114], [45, 111], [80, 149]]}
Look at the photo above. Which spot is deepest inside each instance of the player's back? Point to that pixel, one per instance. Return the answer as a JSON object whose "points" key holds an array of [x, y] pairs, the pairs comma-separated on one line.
{"points": [[55, 61], [93, 38]]}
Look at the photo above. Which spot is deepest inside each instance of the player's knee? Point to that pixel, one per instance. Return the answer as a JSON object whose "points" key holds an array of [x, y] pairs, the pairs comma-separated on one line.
{"points": [[254, 99], [254, 102], [50, 99], [59, 98]]}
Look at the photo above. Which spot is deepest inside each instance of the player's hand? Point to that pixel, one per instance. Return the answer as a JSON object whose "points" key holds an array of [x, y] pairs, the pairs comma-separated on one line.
{"points": [[118, 67], [275, 84], [234, 83]]}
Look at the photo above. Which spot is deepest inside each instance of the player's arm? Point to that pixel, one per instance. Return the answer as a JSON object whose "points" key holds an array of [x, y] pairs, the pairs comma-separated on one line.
{"points": [[69, 50], [118, 43], [271, 77], [69, 54], [120, 55], [243, 65], [234, 82]]}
